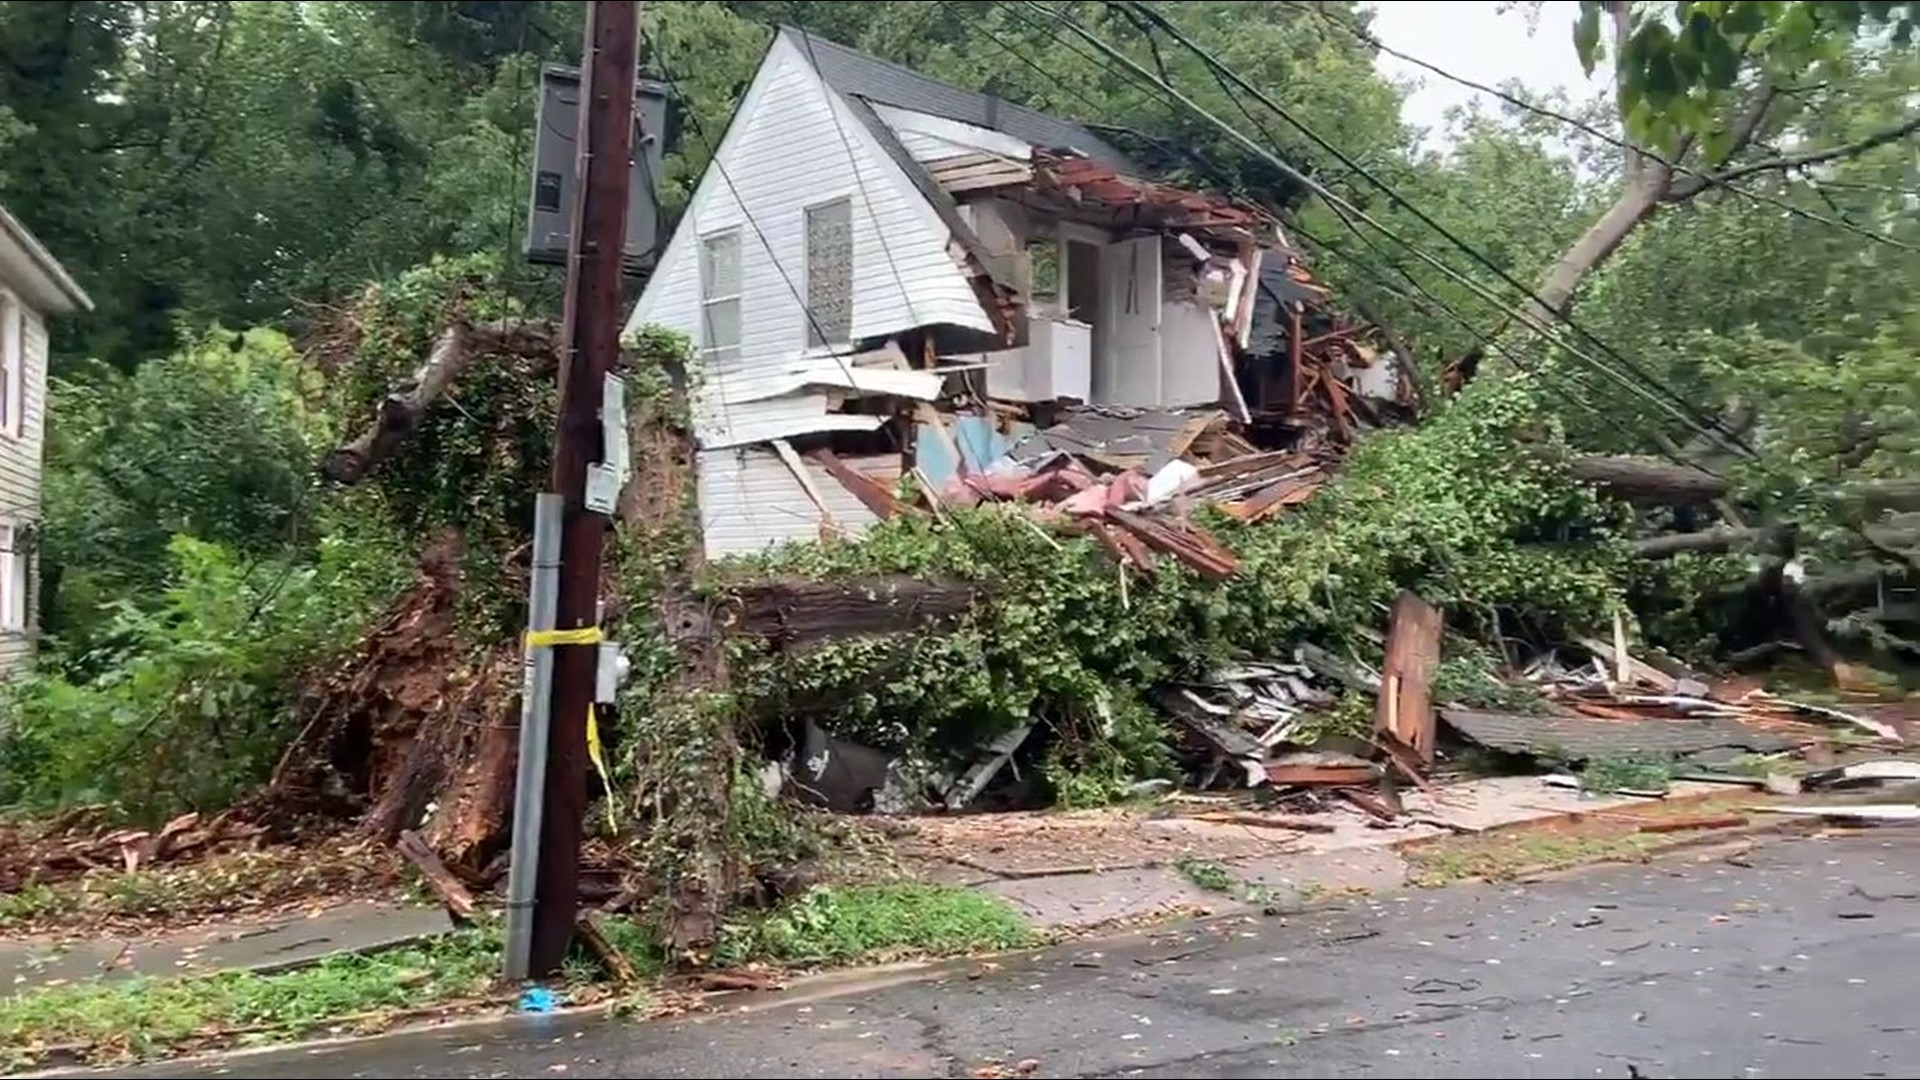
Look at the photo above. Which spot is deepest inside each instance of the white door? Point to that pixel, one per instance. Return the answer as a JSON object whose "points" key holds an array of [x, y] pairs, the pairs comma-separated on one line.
{"points": [[1127, 371]]}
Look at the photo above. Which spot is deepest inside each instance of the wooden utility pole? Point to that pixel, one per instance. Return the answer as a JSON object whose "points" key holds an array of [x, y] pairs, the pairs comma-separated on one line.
{"points": [[590, 343]]}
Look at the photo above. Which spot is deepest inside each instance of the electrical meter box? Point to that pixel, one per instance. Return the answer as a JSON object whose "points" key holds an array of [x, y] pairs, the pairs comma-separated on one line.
{"points": [[555, 187]]}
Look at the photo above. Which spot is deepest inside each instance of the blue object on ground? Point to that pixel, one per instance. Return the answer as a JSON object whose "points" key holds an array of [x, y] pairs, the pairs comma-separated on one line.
{"points": [[538, 999]]}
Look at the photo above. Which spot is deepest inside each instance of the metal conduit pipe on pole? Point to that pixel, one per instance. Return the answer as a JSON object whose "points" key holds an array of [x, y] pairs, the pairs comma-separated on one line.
{"points": [[536, 694]]}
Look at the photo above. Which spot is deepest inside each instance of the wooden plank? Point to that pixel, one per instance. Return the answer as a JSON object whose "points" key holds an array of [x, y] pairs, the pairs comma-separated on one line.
{"points": [[453, 895], [798, 468], [1405, 706], [871, 493]]}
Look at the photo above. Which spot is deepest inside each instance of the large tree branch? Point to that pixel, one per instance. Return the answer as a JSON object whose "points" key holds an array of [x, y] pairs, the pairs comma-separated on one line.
{"points": [[400, 413], [1783, 162]]}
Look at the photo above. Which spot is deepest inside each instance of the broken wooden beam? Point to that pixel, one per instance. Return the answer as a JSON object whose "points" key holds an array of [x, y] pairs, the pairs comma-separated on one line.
{"points": [[872, 494], [792, 612], [591, 926], [1405, 706], [453, 895]]}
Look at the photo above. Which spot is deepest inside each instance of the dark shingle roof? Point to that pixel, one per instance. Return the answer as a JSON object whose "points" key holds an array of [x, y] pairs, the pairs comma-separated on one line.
{"points": [[856, 74]]}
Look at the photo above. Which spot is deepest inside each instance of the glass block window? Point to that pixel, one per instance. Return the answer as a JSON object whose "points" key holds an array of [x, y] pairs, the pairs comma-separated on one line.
{"points": [[830, 273]]}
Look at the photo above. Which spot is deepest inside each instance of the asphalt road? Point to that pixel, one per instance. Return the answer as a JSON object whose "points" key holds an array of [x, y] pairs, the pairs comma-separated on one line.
{"points": [[1800, 958]]}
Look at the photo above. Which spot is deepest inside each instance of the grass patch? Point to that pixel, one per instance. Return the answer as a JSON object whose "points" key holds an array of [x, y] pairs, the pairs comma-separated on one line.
{"points": [[136, 1018], [106, 1022], [880, 921], [1210, 876]]}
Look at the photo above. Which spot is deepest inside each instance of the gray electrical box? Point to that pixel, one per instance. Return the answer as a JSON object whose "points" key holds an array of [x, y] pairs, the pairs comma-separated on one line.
{"points": [[556, 156]]}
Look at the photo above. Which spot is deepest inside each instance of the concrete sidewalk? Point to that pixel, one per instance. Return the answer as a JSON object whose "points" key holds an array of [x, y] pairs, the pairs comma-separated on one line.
{"points": [[289, 940], [1076, 871], [1788, 962], [1063, 871]]}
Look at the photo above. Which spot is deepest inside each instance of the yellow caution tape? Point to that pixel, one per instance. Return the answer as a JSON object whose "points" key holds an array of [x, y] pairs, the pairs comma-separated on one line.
{"points": [[546, 639], [600, 765], [585, 635]]}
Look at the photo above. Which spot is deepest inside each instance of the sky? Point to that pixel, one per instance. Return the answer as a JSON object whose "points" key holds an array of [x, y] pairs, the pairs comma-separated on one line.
{"points": [[1475, 40]]}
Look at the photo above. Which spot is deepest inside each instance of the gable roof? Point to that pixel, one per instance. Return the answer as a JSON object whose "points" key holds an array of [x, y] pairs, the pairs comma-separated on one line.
{"points": [[37, 273], [852, 73]]}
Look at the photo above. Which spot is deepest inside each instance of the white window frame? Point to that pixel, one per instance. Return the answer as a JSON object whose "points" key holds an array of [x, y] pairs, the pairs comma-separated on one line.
{"points": [[13, 366], [814, 323], [717, 354], [13, 580]]}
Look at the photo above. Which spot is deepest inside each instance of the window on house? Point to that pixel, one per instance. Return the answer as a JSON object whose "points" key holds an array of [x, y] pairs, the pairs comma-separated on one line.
{"points": [[720, 298], [830, 273], [13, 366], [13, 580]]}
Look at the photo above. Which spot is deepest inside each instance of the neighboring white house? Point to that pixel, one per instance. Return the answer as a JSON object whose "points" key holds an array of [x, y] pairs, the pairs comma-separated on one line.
{"points": [[33, 285], [919, 275]]}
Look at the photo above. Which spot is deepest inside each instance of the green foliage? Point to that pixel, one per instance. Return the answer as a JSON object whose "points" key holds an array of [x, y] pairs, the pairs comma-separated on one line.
{"points": [[1452, 510], [477, 459], [214, 441], [1678, 63], [185, 703], [153, 1017]]}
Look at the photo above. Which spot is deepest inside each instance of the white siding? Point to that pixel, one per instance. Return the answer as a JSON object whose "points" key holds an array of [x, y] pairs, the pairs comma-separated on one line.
{"points": [[20, 469], [787, 149], [936, 138], [751, 501]]}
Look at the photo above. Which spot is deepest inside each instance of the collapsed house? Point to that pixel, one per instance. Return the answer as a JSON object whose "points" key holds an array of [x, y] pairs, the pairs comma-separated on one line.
{"points": [[886, 276]]}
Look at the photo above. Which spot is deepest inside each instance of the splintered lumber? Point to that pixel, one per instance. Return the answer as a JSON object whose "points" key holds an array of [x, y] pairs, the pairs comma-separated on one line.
{"points": [[796, 612], [592, 929], [1405, 706], [871, 493], [458, 901], [1266, 821]]}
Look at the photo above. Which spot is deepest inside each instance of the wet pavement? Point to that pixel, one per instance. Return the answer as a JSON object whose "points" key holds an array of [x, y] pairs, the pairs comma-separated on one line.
{"points": [[1792, 959]]}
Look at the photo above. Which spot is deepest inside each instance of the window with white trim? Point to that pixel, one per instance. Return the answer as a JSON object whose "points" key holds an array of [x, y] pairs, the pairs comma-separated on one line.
{"points": [[830, 273], [13, 366], [13, 579], [720, 299]]}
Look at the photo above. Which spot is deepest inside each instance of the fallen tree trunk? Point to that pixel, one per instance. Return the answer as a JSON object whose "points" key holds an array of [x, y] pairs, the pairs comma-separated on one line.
{"points": [[789, 613], [1642, 479], [404, 408], [1710, 541]]}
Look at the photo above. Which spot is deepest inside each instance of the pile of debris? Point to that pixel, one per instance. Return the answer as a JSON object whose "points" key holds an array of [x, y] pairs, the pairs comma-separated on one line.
{"points": [[1616, 706], [1131, 478]]}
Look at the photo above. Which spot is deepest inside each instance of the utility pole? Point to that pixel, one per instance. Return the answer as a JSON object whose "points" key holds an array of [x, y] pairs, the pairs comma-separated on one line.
{"points": [[589, 345]]}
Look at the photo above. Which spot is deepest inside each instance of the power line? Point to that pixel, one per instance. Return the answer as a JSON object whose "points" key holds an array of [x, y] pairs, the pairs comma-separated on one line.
{"points": [[1594, 132], [1334, 199], [1218, 174], [1686, 410], [1677, 405]]}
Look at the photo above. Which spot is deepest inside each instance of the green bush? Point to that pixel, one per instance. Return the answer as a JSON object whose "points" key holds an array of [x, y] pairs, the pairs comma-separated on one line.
{"points": [[215, 441], [192, 696]]}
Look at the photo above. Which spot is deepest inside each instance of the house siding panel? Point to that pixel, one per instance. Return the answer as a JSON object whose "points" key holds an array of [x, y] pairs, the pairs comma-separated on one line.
{"points": [[20, 471], [788, 149], [750, 501]]}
